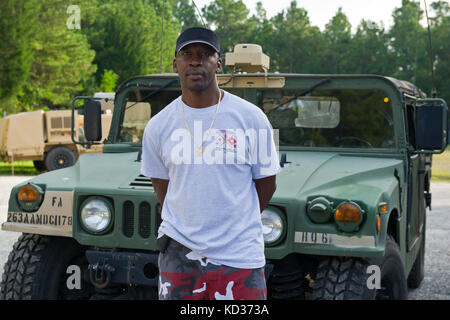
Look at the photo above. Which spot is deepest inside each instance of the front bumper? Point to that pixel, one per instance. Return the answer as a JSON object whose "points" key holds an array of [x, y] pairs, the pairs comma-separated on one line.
{"points": [[130, 268]]}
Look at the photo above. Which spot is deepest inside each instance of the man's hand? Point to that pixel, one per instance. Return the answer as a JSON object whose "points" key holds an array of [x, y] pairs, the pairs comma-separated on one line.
{"points": [[160, 187], [265, 188]]}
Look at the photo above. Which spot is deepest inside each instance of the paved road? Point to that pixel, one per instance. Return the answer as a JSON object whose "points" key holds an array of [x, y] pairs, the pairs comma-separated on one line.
{"points": [[436, 285]]}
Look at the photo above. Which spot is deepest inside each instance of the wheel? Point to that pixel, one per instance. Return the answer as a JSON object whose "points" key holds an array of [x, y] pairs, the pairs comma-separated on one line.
{"points": [[39, 165], [59, 157], [37, 269], [343, 278], [287, 280], [418, 270]]}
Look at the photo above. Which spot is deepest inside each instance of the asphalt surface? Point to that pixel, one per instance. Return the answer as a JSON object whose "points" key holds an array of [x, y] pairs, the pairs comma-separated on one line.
{"points": [[435, 286]]}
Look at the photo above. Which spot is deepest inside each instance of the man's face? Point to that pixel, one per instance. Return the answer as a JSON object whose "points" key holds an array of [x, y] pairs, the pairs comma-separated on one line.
{"points": [[197, 65]]}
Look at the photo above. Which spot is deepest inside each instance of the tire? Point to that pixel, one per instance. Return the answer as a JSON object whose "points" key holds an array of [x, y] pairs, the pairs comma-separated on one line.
{"points": [[59, 157], [418, 270], [287, 281], [343, 278], [36, 269], [39, 165]]}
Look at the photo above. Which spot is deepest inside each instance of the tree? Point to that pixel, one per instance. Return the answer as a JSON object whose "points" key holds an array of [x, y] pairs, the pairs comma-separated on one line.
{"points": [[296, 45], [185, 12], [228, 18], [18, 22], [53, 62], [109, 81], [369, 51], [441, 48], [62, 59], [338, 37], [408, 41], [127, 36]]}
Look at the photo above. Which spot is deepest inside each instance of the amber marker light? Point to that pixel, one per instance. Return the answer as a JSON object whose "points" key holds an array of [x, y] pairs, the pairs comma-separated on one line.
{"points": [[383, 208], [348, 212], [30, 197], [28, 193], [379, 223], [386, 100]]}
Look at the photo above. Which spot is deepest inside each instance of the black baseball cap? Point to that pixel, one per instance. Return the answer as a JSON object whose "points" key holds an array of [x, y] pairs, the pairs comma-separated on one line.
{"points": [[195, 35]]}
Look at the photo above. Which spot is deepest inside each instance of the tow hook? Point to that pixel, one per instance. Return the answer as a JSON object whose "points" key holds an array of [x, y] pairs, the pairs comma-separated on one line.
{"points": [[100, 274]]}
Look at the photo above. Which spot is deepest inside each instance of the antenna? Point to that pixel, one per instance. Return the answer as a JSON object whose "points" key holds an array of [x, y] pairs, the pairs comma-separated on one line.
{"points": [[433, 90], [200, 14], [162, 37]]}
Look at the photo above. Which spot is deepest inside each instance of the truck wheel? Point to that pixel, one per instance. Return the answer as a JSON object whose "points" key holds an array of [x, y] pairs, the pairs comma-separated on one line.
{"points": [[287, 280], [37, 269], [343, 278], [418, 270], [59, 157]]}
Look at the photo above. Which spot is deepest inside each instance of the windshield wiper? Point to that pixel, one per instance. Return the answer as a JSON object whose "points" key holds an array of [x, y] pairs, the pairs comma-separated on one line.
{"points": [[302, 93], [151, 94]]}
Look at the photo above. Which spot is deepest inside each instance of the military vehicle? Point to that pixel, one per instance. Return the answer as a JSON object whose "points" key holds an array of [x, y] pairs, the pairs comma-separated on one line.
{"points": [[45, 136], [347, 220]]}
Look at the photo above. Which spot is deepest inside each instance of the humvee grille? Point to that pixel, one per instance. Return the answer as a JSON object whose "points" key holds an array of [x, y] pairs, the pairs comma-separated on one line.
{"points": [[144, 219], [56, 123], [128, 219], [141, 181], [67, 122]]}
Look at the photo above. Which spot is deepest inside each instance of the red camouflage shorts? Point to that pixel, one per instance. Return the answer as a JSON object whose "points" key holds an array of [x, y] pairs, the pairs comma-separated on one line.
{"points": [[184, 275]]}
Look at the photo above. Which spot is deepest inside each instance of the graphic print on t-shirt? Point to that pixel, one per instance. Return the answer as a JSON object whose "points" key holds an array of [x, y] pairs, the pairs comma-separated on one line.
{"points": [[226, 140]]}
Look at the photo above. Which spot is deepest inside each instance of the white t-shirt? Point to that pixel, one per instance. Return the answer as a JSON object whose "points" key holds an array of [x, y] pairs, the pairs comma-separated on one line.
{"points": [[211, 205]]}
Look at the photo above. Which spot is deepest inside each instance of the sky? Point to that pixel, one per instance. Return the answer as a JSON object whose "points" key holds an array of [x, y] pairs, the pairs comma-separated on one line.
{"points": [[321, 11]]}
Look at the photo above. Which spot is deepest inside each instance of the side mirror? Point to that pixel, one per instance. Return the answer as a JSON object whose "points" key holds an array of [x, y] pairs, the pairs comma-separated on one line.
{"points": [[431, 126], [92, 120], [448, 130]]}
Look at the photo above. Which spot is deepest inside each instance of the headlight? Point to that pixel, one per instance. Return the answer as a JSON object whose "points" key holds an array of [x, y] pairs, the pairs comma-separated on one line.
{"points": [[273, 226], [30, 197], [96, 215]]}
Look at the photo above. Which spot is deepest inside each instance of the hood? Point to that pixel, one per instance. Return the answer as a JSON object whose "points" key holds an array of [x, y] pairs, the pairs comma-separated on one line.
{"points": [[94, 171], [309, 173], [334, 174]]}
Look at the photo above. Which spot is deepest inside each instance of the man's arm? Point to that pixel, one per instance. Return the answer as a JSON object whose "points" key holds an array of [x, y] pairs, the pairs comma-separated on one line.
{"points": [[160, 187], [265, 188]]}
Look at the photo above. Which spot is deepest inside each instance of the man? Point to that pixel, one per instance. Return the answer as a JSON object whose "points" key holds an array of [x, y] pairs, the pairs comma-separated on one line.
{"points": [[201, 153]]}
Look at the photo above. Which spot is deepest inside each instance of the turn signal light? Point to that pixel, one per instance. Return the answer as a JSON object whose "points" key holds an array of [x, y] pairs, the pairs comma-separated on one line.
{"points": [[348, 212], [28, 194]]}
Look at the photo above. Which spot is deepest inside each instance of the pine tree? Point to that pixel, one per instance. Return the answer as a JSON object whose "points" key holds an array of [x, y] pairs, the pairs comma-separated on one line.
{"points": [[18, 24]]}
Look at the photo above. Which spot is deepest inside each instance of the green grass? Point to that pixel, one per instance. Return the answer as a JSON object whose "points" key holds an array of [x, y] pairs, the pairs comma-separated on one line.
{"points": [[21, 168], [440, 170]]}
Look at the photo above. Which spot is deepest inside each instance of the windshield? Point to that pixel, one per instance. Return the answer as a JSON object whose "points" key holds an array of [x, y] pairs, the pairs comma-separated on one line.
{"points": [[345, 118], [137, 115], [331, 118]]}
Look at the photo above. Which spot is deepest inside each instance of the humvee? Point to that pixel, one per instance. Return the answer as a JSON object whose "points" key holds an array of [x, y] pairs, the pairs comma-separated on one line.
{"points": [[347, 220]]}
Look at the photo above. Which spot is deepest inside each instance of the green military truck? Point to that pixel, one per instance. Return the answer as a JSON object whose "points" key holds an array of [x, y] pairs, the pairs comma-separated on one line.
{"points": [[347, 220]]}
